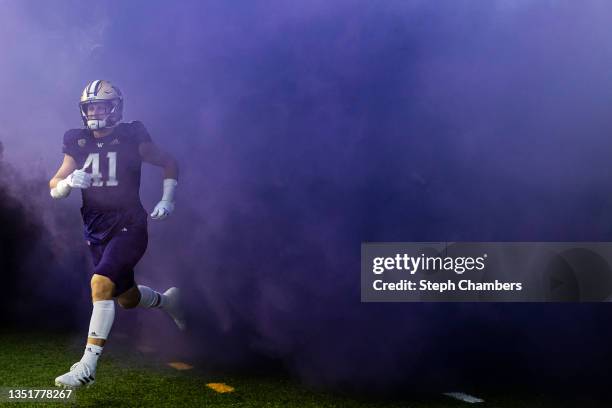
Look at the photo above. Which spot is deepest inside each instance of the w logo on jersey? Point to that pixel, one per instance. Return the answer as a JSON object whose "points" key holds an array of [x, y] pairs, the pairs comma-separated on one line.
{"points": [[100, 144]]}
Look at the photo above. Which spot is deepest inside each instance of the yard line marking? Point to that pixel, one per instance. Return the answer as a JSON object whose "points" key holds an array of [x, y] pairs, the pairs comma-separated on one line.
{"points": [[220, 387]]}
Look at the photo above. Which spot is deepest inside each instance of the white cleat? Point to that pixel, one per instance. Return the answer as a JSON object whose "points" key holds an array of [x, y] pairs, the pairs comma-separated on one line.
{"points": [[79, 375], [172, 306]]}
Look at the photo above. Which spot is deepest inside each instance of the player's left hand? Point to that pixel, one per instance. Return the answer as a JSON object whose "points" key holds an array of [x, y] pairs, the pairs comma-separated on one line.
{"points": [[162, 210]]}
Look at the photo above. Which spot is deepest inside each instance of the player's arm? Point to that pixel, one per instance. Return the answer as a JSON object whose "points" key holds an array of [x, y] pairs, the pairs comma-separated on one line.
{"points": [[150, 153], [67, 178]]}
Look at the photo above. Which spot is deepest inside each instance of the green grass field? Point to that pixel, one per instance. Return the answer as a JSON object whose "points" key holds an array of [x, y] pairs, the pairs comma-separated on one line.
{"points": [[131, 379]]}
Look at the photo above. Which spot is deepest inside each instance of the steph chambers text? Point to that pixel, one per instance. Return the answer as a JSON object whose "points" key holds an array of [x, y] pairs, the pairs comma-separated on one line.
{"points": [[464, 285]]}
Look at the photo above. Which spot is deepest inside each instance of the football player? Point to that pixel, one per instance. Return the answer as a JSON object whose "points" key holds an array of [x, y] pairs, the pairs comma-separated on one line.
{"points": [[103, 160]]}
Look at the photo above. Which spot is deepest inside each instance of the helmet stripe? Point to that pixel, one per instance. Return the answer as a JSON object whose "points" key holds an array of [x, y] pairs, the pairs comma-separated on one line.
{"points": [[92, 87], [98, 87]]}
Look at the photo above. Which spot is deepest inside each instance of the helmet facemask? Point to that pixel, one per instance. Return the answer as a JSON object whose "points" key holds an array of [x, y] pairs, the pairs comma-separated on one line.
{"points": [[98, 94], [99, 120]]}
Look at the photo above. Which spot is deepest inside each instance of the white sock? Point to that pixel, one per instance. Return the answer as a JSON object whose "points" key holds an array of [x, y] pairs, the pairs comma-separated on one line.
{"points": [[102, 317], [150, 298], [91, 355]]}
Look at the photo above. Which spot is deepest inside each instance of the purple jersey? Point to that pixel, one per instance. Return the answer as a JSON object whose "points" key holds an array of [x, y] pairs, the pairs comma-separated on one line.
{"points": [[113, 200]]}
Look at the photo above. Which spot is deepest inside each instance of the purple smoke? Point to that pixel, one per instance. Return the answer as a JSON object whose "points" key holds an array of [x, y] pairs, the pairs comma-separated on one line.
{"points": [[303, 130]]}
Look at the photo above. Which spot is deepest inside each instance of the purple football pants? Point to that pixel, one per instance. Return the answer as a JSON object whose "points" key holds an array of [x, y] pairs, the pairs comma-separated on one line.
{"points": [[117, 257]]}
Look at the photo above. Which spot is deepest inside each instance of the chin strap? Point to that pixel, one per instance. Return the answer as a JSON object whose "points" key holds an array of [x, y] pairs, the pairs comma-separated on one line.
{"points": [[97, 124]]}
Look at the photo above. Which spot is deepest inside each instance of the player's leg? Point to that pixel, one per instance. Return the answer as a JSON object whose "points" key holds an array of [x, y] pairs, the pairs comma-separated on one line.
{"points": [[102, 317], [113, 275], [144, 296], [102, 289], [140, 295], [129, 295], [130, 298]]}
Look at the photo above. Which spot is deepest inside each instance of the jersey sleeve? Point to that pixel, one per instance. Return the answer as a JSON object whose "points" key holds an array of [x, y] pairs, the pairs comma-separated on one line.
{"points": [[69, 145], [140, 133]]}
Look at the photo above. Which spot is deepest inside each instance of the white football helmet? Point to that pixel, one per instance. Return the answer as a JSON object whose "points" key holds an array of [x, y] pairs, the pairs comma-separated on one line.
{"points": [[100, 91]]}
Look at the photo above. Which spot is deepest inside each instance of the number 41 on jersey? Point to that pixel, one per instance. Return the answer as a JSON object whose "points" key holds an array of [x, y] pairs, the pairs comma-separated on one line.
{"points": [[93, 160]]}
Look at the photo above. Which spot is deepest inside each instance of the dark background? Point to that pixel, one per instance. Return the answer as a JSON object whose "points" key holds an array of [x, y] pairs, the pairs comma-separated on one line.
{"points": [[303, 130]]}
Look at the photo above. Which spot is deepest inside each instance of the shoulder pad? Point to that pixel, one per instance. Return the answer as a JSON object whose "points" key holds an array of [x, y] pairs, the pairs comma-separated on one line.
{"points": [[73, 134]]}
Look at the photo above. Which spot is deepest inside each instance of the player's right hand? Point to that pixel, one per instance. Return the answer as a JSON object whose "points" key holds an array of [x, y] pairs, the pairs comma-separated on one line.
{"points": [[79, 179]]}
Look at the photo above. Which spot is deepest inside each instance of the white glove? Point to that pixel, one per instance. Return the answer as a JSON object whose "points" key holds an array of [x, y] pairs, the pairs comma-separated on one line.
{"points": [[162, 210], [76, 179], [166, 205], [79, 179]]}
